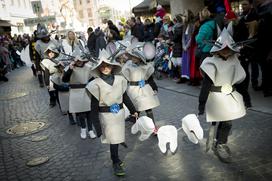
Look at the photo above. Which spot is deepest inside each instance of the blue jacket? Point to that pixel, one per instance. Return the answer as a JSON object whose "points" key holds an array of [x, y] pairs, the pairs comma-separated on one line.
{"points": [[206, 32]]}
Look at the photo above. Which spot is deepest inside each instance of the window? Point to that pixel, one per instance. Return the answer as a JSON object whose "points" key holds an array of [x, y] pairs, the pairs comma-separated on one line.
{"points": [[80, 14], [20, 27], [90, 13]]}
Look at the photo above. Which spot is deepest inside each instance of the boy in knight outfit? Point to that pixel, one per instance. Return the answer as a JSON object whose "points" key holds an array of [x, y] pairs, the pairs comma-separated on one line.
{"points": [[48, 65], [108, 94], [142, 89], [62, 89], [41, 46], [78, 75], [218, 96]]}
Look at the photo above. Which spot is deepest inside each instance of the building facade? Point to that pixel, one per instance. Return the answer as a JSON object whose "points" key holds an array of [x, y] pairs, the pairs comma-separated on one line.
{"points": [[178, 6], [85, 10], [15, 11]]}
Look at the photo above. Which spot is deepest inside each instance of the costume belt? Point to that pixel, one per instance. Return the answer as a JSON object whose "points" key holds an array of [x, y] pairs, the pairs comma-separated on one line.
{"points": [[77, 86], [226, 89], [140, 83], [115, 108]]}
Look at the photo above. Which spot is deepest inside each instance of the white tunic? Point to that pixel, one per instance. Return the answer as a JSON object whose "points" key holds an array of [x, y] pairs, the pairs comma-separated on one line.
{"points": [[113, 124], [63, 96], [143, 98], [78, 98], [221, 106], [47, 63]]}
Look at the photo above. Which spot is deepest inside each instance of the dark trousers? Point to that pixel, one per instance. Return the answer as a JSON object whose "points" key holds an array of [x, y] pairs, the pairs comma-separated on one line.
{"points": [[34, 71], [223, 131], [242, 88], [254, 73], [40, 78], [267, 74], [53, 96], [81, 118], [149, 113], [114, 153]]}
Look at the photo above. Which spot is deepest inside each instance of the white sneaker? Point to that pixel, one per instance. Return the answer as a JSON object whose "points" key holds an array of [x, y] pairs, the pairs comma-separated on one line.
{"points": [[92, 135], [83, 133]]}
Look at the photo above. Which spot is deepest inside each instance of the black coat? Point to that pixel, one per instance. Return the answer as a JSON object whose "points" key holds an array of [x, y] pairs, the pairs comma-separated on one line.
{"points": [[177, 39], [91, 42], [157, 29], [138, 31], [241, 33], [264, 31], [149, 32]]}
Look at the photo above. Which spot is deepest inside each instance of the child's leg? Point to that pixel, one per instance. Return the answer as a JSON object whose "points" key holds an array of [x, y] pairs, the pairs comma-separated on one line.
{"points": [[221, 149], [89, 121], [71, 118], [223, 131], [90, 124], [81, 118], [210, 143], [149, 114], [114, 153], [53, 97], [33, 70], [117, 163]]}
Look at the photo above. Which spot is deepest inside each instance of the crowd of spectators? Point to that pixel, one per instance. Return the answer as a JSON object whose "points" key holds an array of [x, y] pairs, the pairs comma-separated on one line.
{"points": [[183, 40], [10, 48]]}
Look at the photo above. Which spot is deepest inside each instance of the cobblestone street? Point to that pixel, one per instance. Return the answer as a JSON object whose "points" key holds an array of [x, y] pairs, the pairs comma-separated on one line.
{"points": [[71, 158]]}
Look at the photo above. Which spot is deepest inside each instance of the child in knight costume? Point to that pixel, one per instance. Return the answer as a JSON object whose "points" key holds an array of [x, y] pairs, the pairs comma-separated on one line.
{"points": [[41, 46], [142, 89], [218, 96], [78, 75], [62, 89], [48, 65], [52, 75], [108, 94]]}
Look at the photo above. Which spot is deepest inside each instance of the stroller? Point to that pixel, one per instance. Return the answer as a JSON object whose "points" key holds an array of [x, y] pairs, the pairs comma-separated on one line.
{"points": [[161, 60]]}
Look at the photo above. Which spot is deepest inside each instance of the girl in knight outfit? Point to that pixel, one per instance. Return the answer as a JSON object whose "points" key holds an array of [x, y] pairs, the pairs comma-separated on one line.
{"points": [[78, 75], [62, 91], [142, 89], [108, 94], [48, 65], [218, 96]]}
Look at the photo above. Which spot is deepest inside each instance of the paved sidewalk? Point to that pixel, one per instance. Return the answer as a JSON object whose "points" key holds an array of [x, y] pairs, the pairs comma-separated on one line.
{"points": [[71, 158]]}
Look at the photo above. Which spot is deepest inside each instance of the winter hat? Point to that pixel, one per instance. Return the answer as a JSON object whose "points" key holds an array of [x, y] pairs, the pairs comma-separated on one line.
{"points": [[143, 50], [42, 31], [225, 40], [104, 57]]}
